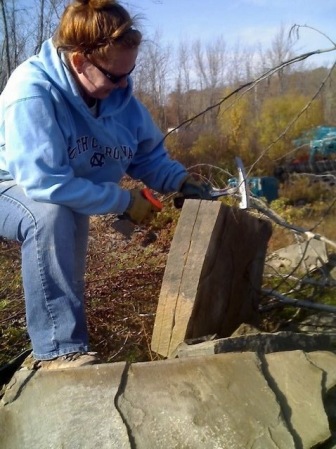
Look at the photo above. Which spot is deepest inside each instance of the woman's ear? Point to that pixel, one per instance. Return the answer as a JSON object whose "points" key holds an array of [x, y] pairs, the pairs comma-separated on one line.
{"points": [[78, 60]]}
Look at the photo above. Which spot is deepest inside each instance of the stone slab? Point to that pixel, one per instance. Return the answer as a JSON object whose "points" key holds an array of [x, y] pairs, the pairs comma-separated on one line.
{"points": [[223, 401], [69, 409], [262, 342], [321, 322], [203, 403], [326, 361], [299, 384], [307, 256], [215, 402]]}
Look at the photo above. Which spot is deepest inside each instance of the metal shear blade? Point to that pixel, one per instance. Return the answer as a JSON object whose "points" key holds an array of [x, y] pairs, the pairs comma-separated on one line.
{"points": [[217, 193]]}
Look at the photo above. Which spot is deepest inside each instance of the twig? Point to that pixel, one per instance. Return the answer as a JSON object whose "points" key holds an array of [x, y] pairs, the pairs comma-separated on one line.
{"points": [[298, 302], [295, 28], [11, 317], [260, 206], [119, 350], [304, 281]]}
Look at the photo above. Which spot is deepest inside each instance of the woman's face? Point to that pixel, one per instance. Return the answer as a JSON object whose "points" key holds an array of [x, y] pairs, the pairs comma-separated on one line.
{"points": [[101, 76]]}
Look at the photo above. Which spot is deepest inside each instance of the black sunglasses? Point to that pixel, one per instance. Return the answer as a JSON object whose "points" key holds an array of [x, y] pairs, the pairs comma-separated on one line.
{"points": [[115, 79]]}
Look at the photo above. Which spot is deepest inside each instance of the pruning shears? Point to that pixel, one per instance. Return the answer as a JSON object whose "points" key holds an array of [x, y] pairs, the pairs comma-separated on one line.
{"points": [[147, 193], [241, 190], [126, 227]]}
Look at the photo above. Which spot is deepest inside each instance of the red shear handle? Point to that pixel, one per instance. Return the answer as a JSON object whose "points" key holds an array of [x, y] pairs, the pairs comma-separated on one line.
{"points": [[152, 199]]}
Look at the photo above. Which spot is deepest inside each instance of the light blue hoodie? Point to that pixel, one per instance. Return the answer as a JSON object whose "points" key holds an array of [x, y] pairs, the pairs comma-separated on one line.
{"points": [[52, 145]]}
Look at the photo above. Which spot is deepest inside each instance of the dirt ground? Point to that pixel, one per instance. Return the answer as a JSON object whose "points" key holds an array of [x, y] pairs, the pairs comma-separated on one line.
{"points": [[123, 282]]}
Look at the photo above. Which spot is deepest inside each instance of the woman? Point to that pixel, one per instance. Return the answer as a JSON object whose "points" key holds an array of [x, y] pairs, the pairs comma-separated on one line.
{"points": [[70, 128]]}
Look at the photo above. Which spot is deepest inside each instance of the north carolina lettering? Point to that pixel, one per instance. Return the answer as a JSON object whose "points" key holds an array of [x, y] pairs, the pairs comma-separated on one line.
{"points": [[121, 152], [82, 144], [87, 143]]}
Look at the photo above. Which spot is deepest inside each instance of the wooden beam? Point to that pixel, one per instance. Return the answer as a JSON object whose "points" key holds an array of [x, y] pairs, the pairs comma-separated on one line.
{"points": [[213, 274]]}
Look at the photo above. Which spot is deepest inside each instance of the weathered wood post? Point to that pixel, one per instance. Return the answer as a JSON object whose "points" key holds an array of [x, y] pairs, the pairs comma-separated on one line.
{"points": [[213, 274]]}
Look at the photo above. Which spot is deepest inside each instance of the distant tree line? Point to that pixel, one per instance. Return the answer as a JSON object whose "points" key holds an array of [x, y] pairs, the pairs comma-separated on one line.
{"points": [[258, 124]]}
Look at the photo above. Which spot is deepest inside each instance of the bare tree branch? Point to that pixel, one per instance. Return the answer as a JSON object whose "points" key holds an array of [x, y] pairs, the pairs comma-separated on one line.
{"points": [[261, 207], [298, 302]]}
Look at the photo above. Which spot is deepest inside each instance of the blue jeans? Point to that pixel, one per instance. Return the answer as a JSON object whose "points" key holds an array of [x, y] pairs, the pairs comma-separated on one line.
{"points": [[54, 245]]}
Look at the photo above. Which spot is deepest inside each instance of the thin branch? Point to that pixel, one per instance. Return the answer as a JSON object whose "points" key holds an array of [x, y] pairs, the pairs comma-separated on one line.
{"points": [[120, 349], [302, 303], [260, 206], [296, 28], [304, 280]]}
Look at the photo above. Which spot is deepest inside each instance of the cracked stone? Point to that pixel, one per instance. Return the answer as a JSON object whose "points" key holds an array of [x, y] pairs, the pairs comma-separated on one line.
{"points": [[70, 409], [223, 401], [298, 384], [220, 401]]}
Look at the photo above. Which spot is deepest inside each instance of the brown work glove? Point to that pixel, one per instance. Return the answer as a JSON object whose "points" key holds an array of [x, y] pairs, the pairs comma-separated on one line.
{"points": [[140, 210]]}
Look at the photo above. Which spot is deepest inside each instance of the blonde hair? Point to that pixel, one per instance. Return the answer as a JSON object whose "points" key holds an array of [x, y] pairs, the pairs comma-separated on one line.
{"points": [[92, 26]]}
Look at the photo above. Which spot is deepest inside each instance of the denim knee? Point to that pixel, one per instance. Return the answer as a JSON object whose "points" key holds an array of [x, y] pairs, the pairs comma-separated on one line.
{"points": [[54, 220], [21, 216]]}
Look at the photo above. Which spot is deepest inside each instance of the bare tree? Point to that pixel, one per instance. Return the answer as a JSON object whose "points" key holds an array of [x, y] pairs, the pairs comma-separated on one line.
{"points": [[151, 77], [22, 31], [179, 101], [281, 50], [240, 66], [47, 20], [216, 56], [12, 35], [209, 62], [209, 66], [5, 45], [184, 66]]}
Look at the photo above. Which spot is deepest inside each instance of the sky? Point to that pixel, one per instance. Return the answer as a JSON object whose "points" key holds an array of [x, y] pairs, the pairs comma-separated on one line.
{"points": [[248, 23]]}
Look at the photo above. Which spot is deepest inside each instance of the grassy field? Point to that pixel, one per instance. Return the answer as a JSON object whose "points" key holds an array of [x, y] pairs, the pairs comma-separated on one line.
{"points": [[124, 278]]}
